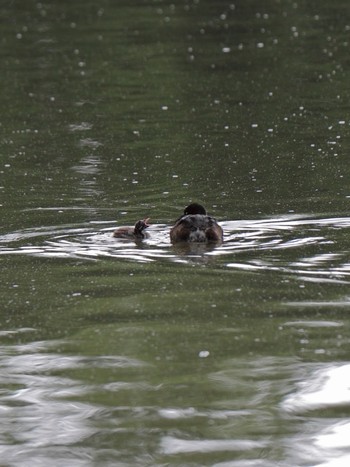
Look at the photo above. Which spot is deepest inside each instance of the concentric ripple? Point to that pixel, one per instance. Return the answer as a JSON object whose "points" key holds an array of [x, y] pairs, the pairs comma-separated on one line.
{"points": [[309, 247]]}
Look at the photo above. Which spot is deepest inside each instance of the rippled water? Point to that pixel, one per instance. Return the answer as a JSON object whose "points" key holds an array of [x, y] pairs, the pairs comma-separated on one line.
{"points": [[253, 245], [256, 409], [224, 397], [116, 353]]}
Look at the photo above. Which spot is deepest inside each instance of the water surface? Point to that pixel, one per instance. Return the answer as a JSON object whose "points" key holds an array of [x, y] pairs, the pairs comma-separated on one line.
{"points": [[116, 353]]}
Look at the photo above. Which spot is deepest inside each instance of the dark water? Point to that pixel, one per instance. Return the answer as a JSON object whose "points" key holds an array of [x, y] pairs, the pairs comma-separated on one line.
{"points": [[121, 354]]}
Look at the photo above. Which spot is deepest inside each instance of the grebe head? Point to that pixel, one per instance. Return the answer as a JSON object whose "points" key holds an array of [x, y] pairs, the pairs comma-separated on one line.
{"points": [[195, 208], [140, 226]]}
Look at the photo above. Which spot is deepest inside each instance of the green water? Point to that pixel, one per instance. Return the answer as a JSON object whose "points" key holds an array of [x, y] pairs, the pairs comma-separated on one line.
{"points": [[116, 353]]}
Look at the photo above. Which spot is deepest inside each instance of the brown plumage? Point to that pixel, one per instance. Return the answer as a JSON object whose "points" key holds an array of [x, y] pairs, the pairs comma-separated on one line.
{"points": [[137, 232], [196, 226]]}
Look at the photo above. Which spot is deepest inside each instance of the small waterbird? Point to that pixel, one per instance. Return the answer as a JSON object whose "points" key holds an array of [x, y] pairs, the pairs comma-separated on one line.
{"points": [[196, 226], [137, 232]]}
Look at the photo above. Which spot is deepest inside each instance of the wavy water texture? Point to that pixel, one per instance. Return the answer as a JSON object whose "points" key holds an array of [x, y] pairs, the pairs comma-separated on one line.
{"points": [[320, 390], [51, 411], [39, 406], [312, 248]]}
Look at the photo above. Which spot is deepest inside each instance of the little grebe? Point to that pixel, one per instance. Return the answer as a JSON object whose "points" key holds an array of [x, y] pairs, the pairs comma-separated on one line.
{"points": [[137, 232], [196, 226]]}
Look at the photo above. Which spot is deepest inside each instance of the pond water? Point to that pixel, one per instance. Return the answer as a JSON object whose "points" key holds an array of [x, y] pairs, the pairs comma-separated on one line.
{"points": [[145, 354]]}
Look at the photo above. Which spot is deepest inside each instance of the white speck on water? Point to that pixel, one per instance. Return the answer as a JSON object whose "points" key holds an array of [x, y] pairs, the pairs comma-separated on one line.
{"points": [[260, 45], [254, 125], [226, 50], [164, 107], [203, 354], [83, 126]]}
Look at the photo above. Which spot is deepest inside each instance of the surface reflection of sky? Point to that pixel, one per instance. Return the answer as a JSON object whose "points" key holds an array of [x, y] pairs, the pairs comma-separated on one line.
{"points": [[48, 410], [41, 408], [327, 387], [327, 440]]}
